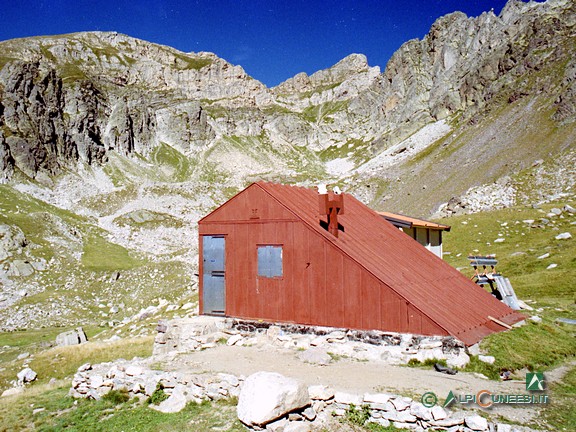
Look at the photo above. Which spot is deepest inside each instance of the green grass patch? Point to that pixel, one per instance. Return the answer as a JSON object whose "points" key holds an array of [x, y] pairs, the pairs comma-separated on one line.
{"points": [[189, 62], [518, 255], [426, 363], [71, 72], [177, 166], [476, 365], [158, 396], [34, 217], [561, 415], [358, 416], [117, 397], [102, 255], [320, 89], [323, 113], [148, 219], [63, 362], [55, 411], [533, 346]]}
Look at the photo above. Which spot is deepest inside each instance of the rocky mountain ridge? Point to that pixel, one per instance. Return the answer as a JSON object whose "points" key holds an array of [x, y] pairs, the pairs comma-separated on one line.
{"points": [[112, 148]]}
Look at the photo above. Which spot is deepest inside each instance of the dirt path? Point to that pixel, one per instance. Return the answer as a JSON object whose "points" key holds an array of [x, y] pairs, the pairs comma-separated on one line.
{"points": [[358, 377], [345, 374]]}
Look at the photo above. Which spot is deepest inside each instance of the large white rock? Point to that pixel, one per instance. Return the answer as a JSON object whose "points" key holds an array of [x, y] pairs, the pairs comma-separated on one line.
{"points": [[320, 392], [459, 361], [133, 370], [563, 236], [487, 359], [438, 413], [26, 375], [72, 337], [379, 398], [175, 403], [348, 398], [475, 422], [12, 391], [266, 396], [420, 411]]}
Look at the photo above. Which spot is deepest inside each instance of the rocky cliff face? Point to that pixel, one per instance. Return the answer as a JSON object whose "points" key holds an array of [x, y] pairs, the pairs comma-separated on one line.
{"points": [[112, 148], [95, 92]]}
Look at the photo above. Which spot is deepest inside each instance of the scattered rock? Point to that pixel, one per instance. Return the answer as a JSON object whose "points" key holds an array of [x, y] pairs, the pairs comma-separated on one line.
{"points": [[536, 319], [475, 422], [134, 371], [26, 375], [315, 355], [401, 403], [546, 255], [175, 403], [556, 211], [12, 391], [348, 398], [232, 340], [439, 413], [320, 392], [23, 356], [376, 398], [72, 337], [297, 427], [459, 361], [551, 266], [487, 359], [85, 367], [563, 236], [267, 396]]}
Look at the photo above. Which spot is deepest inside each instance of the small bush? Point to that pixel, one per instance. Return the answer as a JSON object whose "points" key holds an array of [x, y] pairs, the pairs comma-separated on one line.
{"points": [[117, 397], [358, 416], [426, 363], [158, 396]]}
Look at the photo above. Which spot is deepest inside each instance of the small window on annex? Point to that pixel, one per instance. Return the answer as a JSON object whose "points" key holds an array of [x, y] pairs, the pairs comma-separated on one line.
{"points": [[269, 261]]}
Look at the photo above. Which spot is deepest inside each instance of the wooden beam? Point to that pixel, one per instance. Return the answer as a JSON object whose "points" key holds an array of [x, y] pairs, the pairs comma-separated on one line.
{"points": [[497, 321]]}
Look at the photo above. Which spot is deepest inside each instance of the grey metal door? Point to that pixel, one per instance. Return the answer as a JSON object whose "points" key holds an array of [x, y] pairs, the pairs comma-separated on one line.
{"points": [[214, 275]]}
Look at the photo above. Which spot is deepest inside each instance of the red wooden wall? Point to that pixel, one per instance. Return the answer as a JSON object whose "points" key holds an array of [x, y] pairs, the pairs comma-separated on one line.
{"points": [[320, 284]]}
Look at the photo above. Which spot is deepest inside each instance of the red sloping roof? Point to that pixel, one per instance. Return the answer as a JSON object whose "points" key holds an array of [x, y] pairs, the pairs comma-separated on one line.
{"points": [[413, 221], [438, 290]]}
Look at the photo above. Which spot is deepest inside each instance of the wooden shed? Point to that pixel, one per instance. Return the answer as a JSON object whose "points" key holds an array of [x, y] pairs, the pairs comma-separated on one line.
{"points": [[287, 254], [428, 234]]}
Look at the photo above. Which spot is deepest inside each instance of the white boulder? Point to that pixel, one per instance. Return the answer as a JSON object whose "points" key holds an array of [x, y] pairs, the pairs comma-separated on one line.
{"points": [[26, 375], [475, 422], [487, 359], [267, 396], [175, 403]]}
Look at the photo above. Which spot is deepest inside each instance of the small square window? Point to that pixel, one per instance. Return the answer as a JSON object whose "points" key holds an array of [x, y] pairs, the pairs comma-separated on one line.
{"points": [[270, 261]]}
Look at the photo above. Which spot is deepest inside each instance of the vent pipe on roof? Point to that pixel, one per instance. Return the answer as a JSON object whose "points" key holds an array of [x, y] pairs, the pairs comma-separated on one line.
{"points": [[331, 204]]}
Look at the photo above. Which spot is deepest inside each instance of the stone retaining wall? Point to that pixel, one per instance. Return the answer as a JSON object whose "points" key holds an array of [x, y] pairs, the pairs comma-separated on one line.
{"points": [[314, 343], [322, 407]]}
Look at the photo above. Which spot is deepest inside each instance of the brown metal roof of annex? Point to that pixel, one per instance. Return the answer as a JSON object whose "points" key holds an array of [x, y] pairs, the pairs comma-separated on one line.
{"points": [[439, 291], [412, 221]]}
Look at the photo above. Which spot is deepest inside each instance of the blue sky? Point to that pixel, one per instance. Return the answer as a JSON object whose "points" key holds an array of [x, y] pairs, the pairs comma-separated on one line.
{"points": [[271, 40]]}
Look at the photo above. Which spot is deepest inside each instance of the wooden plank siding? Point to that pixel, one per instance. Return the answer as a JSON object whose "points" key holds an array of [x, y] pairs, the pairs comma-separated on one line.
{"points": [[371, 277]]}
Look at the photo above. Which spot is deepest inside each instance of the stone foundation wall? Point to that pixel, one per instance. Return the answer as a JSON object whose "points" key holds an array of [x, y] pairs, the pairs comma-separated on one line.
{"points": [[203, 332]]}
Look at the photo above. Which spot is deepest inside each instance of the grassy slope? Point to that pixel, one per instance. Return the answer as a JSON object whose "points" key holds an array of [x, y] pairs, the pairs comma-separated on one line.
{"points": [[535, 346], [57, 411], [82, 263], [503, 142]]}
